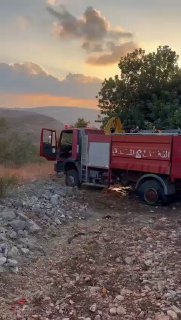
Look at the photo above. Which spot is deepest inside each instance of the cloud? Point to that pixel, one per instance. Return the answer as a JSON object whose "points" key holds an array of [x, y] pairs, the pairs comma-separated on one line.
{"points": [[92, 29], [23, 22], [43, 100], [51, 2], [30, 78], [116, 52], [56, 2]]}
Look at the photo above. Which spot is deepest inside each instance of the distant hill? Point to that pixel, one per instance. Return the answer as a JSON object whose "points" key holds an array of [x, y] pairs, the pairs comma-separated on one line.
{"points": [[28, 123], [68, 115]]}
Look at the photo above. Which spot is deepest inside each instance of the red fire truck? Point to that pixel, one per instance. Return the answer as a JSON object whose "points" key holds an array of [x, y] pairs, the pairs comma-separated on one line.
{"points": [[150, 161]]}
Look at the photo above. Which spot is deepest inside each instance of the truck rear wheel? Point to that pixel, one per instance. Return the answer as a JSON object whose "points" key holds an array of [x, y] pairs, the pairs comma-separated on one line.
{"points": [[151, 192], [72, 178]]}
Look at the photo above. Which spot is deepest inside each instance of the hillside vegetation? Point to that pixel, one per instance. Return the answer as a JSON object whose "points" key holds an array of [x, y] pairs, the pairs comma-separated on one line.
{"points": [[19, 147], [25, 124], [20, 136]]}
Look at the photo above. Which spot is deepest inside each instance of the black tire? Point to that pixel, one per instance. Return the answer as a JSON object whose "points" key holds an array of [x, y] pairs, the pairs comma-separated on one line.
{"points": [[152, 193], [72, 178]]}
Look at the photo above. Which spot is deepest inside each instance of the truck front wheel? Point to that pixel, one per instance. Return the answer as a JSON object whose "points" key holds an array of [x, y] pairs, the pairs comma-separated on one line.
{"points": [[72, 178], [151, 192]]}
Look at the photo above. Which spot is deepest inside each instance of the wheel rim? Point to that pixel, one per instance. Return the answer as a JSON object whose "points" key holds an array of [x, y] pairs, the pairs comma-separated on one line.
{"points": [[151, 196]]}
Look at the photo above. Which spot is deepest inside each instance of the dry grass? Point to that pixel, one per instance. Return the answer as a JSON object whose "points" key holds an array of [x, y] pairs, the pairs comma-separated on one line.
{"points": [[6, 184], [28, 173]]}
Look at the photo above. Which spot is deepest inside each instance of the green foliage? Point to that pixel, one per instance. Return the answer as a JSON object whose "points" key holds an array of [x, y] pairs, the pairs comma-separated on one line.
{"points": [[81, 123], [148, 91], [6, 183], [16, 151]]}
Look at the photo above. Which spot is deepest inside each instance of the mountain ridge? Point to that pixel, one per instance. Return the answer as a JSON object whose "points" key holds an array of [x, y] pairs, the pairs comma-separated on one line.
{"points": [[27, 124], [67, 115]]}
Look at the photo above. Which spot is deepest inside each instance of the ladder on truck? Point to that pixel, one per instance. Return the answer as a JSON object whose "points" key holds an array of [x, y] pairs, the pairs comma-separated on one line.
{"points": [[84, 159], [171, 132], [162, 132]]}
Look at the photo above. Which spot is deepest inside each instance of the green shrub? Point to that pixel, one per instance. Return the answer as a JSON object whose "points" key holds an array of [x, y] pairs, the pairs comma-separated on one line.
{"points": [[16, 151], [6, 183]]}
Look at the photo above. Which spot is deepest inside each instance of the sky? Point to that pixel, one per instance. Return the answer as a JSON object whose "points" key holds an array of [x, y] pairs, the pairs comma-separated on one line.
{"points": [[58, 52]]}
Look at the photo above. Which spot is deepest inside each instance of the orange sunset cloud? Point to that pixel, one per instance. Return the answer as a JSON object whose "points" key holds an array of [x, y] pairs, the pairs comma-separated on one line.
{"points": [[42, 100]]}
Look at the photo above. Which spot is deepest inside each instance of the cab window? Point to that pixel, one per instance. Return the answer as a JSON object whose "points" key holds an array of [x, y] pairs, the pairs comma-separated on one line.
{"points": [[65, 143]]}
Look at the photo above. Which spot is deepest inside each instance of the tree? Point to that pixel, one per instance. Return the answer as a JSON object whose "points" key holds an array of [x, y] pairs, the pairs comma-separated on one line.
{"points": [[148, 91], [81, 123]]}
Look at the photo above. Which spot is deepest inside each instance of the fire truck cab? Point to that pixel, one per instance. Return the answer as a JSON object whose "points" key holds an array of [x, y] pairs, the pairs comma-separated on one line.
{"points": [[87, 156], [70, 152]]}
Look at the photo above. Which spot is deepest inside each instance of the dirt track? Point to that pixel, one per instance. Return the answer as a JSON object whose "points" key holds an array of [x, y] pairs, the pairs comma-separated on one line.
{"points": [[122, 262]]}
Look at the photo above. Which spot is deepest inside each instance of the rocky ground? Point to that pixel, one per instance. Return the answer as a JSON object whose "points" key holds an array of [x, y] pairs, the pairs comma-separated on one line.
{"points": [[68, 254]]}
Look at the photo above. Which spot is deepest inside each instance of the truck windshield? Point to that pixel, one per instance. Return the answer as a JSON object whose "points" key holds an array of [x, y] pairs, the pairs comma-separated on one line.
{"points": [[65, 144]]}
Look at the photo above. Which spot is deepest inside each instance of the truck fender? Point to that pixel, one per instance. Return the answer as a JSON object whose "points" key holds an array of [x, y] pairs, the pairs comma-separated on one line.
{"points": [[168, 187], [70, 164]]}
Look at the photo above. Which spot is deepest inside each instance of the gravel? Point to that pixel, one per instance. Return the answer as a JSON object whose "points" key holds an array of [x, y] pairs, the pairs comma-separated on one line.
{"points": [[123, 260], [32, 210]]}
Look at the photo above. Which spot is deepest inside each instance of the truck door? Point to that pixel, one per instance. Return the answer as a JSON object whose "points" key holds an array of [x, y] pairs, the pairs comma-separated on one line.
{"points": [[48, 144]]}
